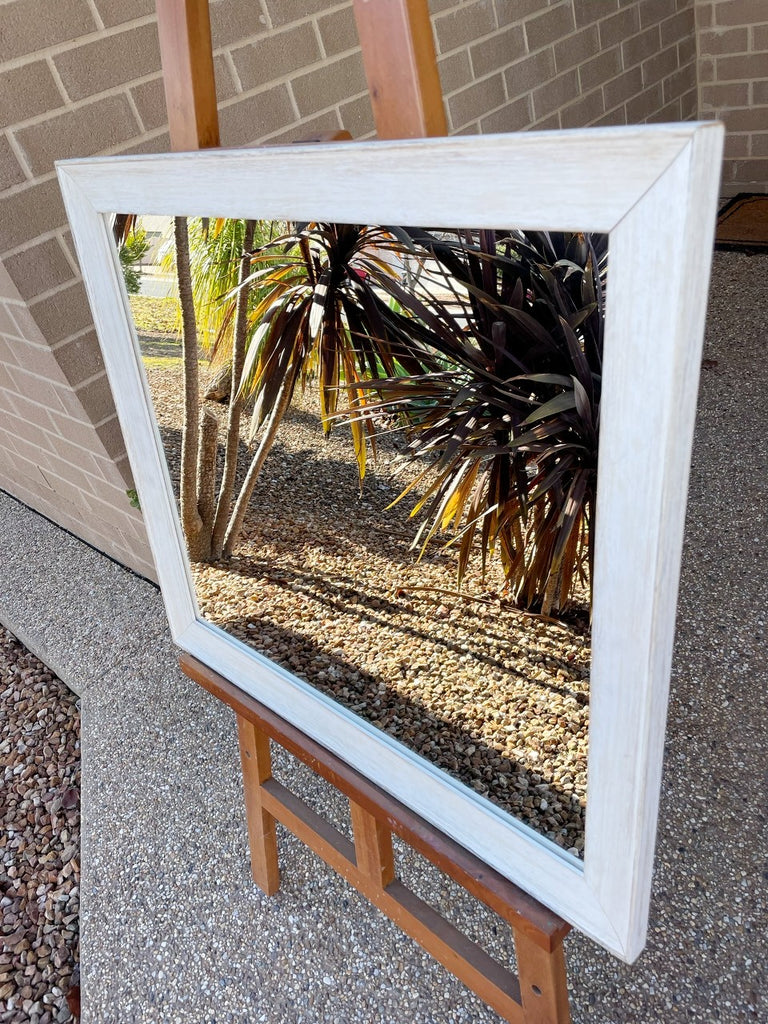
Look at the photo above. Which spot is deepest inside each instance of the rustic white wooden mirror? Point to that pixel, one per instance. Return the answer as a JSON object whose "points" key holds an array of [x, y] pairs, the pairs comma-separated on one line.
{"points": [[653, 192]]}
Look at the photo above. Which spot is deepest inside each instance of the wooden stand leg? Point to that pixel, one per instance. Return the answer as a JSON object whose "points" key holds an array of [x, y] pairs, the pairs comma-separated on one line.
{"points": [[257, 769], [543, 986], [373, 847]]}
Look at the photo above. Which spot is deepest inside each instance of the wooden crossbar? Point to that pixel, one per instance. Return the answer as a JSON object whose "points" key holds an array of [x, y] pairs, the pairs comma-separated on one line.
{"points": [[537, 994]]}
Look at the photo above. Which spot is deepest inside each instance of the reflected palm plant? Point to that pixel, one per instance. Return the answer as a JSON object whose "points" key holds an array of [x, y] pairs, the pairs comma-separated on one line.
{"points": [[322, 313], [506, 431]]}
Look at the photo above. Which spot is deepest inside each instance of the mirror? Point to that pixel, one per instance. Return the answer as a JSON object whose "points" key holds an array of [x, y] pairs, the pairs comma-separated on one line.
{"points": [[442, 395], [319, 594]]}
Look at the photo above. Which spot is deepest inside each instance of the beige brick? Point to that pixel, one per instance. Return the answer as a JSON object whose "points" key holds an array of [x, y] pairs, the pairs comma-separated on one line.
{"points": [[555, 94], [357, 116], [96, 399], [740, 12], [149, 98], [553, 24], [680, 27], [116, 12], [109, 61], [308, 130], [8, 338], [750, 171], [233, 21], [706, 69], [729, 94], [666, 114], [455, 71], [282, 12], [585, 111], [80, 358], [719, 41], [82, 132], [638, 48], [30, 451], [618, 27], [157, 144], [705, 14], [37, 359], [641, 107], [530, 72], [617, 116], [747, 119], [686, 50], [600, 69], [678, 83], [275, 55], [35, 389], [512, 117], [577, 48], [508, 12], [329, 85], [249, 119], [76, 428], [74, 455], [62, 314], [547, 124], [498, 50], [27, 327], [111, 436], [338, 31], [475, 101], [760, 39], [26, 92], [27, 429], [8, 289], [40, 268], [689, 104], [464, 25], [660, 65], [620, 89], [654, 11], [736, 145], [32, 25], [10, 170], [759, 144]]}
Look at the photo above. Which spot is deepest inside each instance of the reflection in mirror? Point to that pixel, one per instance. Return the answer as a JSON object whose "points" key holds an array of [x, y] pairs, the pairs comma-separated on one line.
{"points": [[386, 473]]}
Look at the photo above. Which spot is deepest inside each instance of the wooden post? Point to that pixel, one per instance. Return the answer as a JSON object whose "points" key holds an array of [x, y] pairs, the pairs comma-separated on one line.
{"points": [[373, 847], [257, 769], [401, 68], [184, 28]]}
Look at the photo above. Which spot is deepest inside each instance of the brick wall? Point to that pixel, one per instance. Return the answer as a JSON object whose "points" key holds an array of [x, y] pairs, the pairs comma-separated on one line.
{"points": [[733, 85], [79, 77]]}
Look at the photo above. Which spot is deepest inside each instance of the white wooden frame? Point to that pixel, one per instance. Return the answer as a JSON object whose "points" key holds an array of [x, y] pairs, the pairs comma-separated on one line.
{"points": [[654, 189]]}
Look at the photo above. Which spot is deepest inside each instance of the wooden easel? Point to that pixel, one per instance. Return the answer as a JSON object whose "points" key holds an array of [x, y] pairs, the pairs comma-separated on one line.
{"points": [[403, 82]]}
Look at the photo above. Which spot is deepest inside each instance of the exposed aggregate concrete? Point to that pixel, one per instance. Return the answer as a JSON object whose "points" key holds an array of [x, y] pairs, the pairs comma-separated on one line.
{"points": [[173, 929]]}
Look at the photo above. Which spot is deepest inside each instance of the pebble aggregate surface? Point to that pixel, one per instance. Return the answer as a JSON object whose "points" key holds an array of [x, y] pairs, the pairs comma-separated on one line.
{"points": [[40, 838], [172, 927]]}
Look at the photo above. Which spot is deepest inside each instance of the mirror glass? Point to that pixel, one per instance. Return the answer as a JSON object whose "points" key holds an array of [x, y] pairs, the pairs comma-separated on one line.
{"points": [[395, 498]]}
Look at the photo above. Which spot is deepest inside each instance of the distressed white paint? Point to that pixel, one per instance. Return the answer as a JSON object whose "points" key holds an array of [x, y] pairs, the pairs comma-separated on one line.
{"points": [[654, 189]]}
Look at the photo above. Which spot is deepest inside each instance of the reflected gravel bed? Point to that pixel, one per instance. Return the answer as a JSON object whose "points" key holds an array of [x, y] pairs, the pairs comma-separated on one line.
{"points": [[325, 584]]}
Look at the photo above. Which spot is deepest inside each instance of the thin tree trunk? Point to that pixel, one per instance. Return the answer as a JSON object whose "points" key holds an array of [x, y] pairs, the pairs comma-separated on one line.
{"points": [[270, 432], [206, 483], [240, 334], [191, 520]]}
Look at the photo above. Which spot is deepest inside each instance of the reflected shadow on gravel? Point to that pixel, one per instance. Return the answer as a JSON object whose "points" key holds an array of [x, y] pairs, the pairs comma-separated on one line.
{"points": [[324, 582], [506, 782]]}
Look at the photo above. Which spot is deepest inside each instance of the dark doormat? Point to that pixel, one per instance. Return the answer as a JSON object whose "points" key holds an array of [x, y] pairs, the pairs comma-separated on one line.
{"points": [[742, 224]]}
